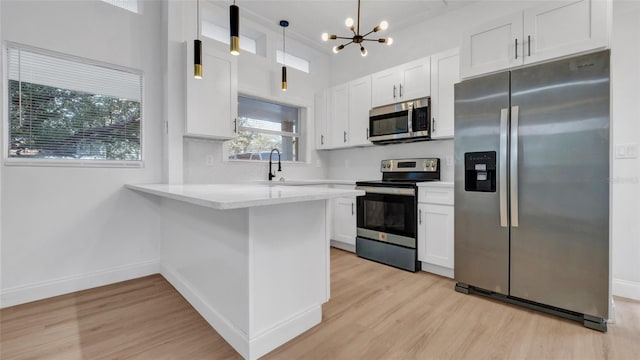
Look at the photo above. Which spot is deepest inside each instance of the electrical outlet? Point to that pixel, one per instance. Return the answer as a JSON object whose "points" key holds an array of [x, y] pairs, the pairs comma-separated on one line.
{"points": [[627, 151], [209, 160]]}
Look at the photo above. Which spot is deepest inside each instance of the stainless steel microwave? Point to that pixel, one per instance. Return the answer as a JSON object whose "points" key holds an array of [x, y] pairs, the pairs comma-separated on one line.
{"points": [[401, 122]]}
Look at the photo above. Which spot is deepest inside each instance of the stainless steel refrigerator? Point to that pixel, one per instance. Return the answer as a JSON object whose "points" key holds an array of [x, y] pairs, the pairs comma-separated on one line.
{"points": [[532, 187]]}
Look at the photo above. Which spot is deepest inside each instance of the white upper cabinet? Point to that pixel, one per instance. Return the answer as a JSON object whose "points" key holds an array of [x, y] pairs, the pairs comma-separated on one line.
{"points": [[492, 46], [416, 79], [345, 115], [541, 33], [359, 106], [321, 108], [340, 116], [445, 72], [211, 102], [384, 87], [401, 83], [552, 31]]}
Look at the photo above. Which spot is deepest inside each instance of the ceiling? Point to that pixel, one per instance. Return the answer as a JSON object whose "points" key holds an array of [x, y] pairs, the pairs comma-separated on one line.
{"points": [[310, 18]]}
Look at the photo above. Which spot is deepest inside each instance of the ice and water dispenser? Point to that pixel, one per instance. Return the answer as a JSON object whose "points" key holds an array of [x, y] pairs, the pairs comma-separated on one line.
{"points": [[480, 171]]}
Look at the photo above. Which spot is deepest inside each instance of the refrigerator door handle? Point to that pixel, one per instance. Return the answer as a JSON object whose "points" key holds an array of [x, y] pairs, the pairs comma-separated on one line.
{"points": [[504, 128], [515, 112]]}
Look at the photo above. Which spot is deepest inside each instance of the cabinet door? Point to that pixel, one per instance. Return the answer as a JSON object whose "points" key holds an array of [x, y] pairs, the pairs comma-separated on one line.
{"points": [[556, 30], [416, 80], [211, 102], [492, 46], [321, 120], [435, 235], [445, 72], [340, 110], [344, 220], [359, 106], [385, 87]]}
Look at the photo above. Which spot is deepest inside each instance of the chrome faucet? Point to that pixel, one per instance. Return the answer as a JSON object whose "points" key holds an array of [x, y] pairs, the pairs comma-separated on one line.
{"points": [[271, 174]]}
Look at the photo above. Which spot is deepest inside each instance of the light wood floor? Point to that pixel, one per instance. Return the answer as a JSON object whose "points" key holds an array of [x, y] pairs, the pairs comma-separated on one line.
{"points": [[375, 312]]}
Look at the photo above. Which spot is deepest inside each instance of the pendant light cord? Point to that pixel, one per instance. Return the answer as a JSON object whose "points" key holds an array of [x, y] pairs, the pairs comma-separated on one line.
{"points": [[198, 19], [284, 48], [358, 25]]}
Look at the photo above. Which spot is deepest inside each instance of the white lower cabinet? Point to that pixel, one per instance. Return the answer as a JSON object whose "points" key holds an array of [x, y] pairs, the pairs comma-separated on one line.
{"points": [[344, 220], [435, 229]]}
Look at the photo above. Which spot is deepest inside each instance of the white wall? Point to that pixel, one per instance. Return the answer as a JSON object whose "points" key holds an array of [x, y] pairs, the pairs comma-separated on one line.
{"points": [[259, 76], [445, 32], [625, 71], [66, 229]]}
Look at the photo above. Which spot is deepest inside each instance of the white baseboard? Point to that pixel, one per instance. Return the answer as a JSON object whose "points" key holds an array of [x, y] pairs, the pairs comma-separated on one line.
{"points": [[237, 338], [46, 289], [278, 335], [343, 246], [248, 348], [438, 270], [627, 289]]}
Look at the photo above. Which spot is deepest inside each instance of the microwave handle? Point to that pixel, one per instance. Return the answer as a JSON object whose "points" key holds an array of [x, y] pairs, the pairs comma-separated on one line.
{"points": [[410, 119]]}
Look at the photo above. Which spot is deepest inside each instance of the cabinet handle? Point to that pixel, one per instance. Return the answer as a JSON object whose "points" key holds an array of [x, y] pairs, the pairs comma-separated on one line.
{"points": [[394, 91], [516, 48], [420, 216], [235, 125], [345, 136], [529, 44], [352, 211], [367, 133], [433, 125], [400, 90], [321, 139]]}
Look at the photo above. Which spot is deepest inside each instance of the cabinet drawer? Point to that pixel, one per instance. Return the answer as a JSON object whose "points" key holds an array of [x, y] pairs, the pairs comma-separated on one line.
{"points": [[435, 195]]}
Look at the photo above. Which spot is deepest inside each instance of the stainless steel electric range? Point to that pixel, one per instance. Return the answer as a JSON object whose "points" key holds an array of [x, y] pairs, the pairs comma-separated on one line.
{"points": [[387, 227]]}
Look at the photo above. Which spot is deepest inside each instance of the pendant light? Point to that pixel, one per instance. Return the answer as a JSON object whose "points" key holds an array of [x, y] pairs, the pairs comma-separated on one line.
{"points": [[284, 24], [197, 47], [234, 19], [358, 38]]}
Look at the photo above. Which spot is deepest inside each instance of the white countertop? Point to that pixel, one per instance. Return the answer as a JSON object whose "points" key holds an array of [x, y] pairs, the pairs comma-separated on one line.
{"points": [[445, 184], [308, 182], [236, 196]]}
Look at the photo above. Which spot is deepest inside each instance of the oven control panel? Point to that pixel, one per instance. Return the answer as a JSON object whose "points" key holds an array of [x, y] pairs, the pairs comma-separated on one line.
{"points": [[410, 165]]}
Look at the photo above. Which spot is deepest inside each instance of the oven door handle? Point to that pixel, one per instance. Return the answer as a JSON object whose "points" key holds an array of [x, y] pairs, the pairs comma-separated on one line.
{"points": [[387, 190]]}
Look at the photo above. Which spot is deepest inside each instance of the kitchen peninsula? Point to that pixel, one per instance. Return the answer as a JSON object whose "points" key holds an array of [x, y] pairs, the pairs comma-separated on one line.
{"points": [[253, 260]]}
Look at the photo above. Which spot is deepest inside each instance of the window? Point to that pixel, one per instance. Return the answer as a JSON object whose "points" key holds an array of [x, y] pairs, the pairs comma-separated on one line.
{"points": [[293, 61], [221, 34], [131, 5], [263, 126], [69, 109]]}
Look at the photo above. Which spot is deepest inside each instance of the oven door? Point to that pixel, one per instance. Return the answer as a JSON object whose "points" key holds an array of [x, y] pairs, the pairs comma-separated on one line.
{"points": [[388, 215]]}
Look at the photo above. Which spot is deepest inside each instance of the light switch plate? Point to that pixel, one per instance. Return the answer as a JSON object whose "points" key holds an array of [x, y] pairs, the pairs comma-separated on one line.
{"points": [[627, 151]]}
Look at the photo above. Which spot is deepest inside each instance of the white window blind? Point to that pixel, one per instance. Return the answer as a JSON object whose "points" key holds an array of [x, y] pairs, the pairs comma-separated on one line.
{"points": [[131, 5], [263, 126], [65, 108], [292, 61]]}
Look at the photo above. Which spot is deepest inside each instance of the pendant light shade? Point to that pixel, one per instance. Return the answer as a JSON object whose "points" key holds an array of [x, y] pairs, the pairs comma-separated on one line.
{"points": [[197, 47], [197, 59], [284, 24], [284, 78], [234, 26]]}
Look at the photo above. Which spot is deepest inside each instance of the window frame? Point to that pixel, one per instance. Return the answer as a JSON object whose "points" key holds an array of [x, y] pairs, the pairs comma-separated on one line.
{"points": [[82, 163], [303, 123]]}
